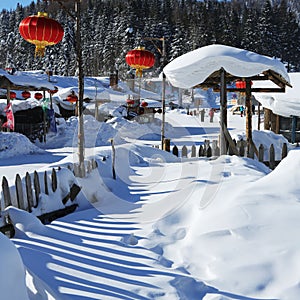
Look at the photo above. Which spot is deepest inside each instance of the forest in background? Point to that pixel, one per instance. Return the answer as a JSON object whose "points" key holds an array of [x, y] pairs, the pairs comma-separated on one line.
{"points": [[110, 28]]}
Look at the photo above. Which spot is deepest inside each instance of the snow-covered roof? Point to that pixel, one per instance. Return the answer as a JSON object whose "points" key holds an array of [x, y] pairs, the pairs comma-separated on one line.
{"points": [[21, 80], [193, 68], [284, 104]]}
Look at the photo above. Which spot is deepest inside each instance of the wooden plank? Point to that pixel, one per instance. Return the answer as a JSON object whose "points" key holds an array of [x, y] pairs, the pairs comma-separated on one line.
{"points": [[53, 180], [37, 187], [46, 183], [19, 191], [29, 192], [175, 151], [284, 151], [229, 140], [193, 154], [272, 162], [6, 192], [261, 153], [184, 151]]}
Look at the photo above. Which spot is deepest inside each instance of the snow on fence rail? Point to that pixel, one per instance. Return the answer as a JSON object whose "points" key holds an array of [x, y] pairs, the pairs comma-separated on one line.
{"points": [[48, 195], [211, 148]]}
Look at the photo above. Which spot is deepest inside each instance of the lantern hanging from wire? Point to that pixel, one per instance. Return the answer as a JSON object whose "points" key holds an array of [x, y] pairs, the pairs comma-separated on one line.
{"points": [[41, 31], [72, 98], [140, 59], [38, 96], [144, 104], [26, 94], [12, 95]]}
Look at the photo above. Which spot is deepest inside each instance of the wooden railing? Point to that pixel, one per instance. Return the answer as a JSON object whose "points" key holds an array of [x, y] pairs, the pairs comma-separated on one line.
{"points": [[211, 148], [26, 193]]}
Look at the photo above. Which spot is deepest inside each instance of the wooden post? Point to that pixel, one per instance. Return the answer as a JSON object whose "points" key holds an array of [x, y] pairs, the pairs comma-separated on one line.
{"points": [[19, 191], [6, 192], [46, 183], [175, 151], [193, 154], [113, 160], [258, 117], [223, 112], [261, 153], [29, 192], [284, 151], [184, 151], [272, 157], [267, 118], [166, 145], [293, 133], [53, 180], [37, 187], [248, 116], [201, 151]]}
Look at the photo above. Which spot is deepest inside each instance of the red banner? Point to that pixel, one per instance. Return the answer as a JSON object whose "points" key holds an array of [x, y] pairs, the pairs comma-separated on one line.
{"points": [[10, 123]]}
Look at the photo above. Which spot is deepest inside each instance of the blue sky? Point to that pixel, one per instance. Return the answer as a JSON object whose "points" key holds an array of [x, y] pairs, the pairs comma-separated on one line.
{"points": [[12, 4]]}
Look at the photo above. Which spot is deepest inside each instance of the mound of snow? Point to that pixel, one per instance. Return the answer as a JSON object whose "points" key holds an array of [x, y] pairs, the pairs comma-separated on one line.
{"points": [[14, 144]]}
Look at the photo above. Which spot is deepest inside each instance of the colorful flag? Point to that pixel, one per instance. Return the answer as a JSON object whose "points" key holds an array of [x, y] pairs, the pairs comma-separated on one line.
{"points": [[10, 123]]}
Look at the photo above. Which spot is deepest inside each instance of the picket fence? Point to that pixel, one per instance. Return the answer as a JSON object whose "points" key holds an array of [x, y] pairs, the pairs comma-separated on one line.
{"points": [[211, 149], [25, 194]]}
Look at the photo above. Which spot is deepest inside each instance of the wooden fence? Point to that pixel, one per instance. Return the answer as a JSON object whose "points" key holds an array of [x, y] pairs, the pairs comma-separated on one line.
{"points": [[211, 148], [25, 194]]}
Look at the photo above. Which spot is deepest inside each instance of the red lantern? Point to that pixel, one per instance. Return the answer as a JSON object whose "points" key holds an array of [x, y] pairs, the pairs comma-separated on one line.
{"points": [[12, 95], [140, 59], [52, 92], [26, 94], [144, 104], [130, 101], [72, 98], [241, 84], [41, 31], [38, 96]]}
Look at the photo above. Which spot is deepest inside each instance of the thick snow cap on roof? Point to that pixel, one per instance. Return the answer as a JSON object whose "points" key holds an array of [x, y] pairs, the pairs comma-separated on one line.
{"points": [[194, 67], [22, 80]]}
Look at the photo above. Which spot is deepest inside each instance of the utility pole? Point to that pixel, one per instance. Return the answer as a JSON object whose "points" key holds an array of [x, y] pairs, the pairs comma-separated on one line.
{"points": [[162, 51], [77, 19]]}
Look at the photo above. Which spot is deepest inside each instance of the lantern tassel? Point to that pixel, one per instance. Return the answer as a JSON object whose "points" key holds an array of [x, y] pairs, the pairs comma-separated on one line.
{"points": [[39, 51], [139, 72]]}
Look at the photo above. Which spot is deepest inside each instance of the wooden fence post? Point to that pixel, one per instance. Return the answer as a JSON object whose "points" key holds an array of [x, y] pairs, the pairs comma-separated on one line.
{"points": [[175, 151], [19, 191], [37, 187], [113, 159], [184, 151], [261, 153], [272, 157], [53, 180], [284, 151], [208, 152], [46, 183], [201, 151], [193, 154], [29, 192], [6, 192], [166, 145]]}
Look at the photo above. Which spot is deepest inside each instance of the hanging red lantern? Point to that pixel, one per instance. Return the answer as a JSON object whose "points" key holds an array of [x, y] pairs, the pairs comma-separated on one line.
{"points": [[140, 59], [26, 94], [72, 98], [144, 104], [52, 92], [41, 31], [241, 84], [38, 96], [12, 95], [130, 101]]}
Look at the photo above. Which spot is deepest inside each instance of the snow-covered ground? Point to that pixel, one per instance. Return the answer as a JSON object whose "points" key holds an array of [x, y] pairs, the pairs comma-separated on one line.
{"points": [[166, 228]]}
